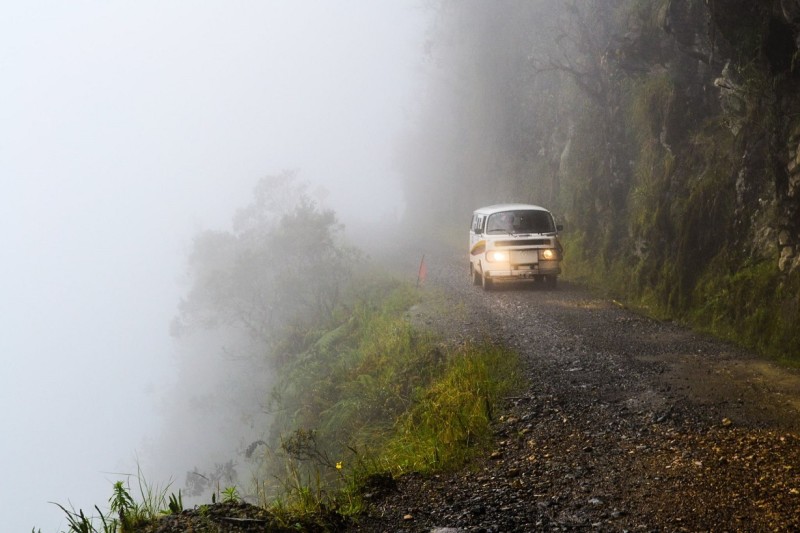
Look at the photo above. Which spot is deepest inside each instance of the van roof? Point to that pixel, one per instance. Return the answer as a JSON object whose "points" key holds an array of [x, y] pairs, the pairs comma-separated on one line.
{"points": [[497, 208]]}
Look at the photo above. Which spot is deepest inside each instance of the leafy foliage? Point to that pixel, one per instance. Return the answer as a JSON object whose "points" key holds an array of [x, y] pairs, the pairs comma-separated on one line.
{"points": [[370, 394], [280, 270], [284, 262], [122, 504], [80, 523], [230, 495], [130, 513]]}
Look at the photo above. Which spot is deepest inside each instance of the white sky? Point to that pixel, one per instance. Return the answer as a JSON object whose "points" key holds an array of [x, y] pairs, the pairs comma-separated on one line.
{"points": [[125, 127]]}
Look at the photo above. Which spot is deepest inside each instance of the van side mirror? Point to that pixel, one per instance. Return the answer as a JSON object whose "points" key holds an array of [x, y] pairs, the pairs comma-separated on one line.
{"points": [[479, 231], [560, 227]]}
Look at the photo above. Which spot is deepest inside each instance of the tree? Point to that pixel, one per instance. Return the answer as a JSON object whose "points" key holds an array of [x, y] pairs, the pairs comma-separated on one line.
{"points": [[284, 262]]}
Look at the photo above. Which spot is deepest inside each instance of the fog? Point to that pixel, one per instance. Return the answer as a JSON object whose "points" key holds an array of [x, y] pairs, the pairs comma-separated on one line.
{"points": [[125, 129]]}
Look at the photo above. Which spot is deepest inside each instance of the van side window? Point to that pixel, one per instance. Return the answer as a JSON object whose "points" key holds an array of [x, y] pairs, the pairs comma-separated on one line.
{"points": [[477, 222]]}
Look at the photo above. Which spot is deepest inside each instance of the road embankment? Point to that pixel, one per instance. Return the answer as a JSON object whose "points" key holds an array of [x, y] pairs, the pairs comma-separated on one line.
{"points": [[627, 423]]}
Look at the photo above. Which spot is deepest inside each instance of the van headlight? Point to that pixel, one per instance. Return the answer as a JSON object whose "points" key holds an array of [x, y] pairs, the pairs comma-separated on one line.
{"points": [[547, 255], [496, 256]]}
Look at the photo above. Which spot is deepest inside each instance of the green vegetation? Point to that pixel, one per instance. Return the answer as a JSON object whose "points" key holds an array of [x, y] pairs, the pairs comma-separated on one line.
{"points": [[387, 399], [125, 513], [230, 495], [690, 258], [678, 260], [752, 305], [450, 418], [361, 400]]}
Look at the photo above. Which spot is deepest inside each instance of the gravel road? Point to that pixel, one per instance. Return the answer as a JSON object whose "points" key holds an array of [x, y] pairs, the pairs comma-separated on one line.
{"points": [[627, 424]]}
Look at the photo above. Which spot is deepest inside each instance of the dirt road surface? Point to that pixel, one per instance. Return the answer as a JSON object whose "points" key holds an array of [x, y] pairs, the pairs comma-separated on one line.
{"points": [[627, 424]]}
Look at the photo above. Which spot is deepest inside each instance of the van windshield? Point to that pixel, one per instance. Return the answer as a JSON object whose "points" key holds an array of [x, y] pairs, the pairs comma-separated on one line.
{"points": [[520, 222]]}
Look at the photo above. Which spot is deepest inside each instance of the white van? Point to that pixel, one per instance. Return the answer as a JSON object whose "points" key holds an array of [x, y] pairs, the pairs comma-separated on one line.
{"points": [[512, 242]]}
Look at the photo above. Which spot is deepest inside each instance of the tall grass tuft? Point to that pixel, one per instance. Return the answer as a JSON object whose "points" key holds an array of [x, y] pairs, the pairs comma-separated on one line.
{"points": [[128, 513], [451, 418]]}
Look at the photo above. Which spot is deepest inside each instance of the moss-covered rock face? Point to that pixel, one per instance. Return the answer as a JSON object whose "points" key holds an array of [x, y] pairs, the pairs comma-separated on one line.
{"points": [[788, 227], [712, 213]]}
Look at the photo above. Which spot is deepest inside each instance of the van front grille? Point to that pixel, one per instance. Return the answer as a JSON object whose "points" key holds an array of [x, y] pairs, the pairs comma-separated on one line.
{"points": [[524, 242]]}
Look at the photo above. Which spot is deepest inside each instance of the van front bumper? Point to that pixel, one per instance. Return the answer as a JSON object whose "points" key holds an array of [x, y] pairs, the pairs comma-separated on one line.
{"points": [[531, 272]]}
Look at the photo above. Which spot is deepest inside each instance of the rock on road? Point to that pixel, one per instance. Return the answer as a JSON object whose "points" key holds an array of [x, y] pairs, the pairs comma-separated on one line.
{"points": [[627, 424]]}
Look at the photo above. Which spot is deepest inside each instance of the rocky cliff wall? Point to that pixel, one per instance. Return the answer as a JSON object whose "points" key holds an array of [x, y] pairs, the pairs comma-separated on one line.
{"points": [[712, 207], [664, 133]]}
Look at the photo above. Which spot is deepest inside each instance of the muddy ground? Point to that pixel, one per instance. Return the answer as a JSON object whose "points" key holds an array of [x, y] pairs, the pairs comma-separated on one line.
{"points": [[627, 424]]}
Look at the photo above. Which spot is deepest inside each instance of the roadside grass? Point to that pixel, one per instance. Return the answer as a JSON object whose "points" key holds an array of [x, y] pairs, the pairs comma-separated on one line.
{"points": [[451, 418], [388, 399], [125, 513], [755, 306], [358, 402]]}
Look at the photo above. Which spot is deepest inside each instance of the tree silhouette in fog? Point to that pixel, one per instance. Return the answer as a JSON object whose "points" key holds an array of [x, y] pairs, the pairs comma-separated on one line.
{"points": [[283, 263]]}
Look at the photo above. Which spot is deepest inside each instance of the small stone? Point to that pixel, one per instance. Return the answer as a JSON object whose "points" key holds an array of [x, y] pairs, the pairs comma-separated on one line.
{"points": [[478, 510], [794, 184], [726, 422], [408, 517]]}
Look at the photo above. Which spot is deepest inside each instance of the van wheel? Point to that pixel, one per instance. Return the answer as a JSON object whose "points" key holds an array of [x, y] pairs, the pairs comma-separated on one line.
{"points": [[487, 283], [476, 278], [552, 282]]}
